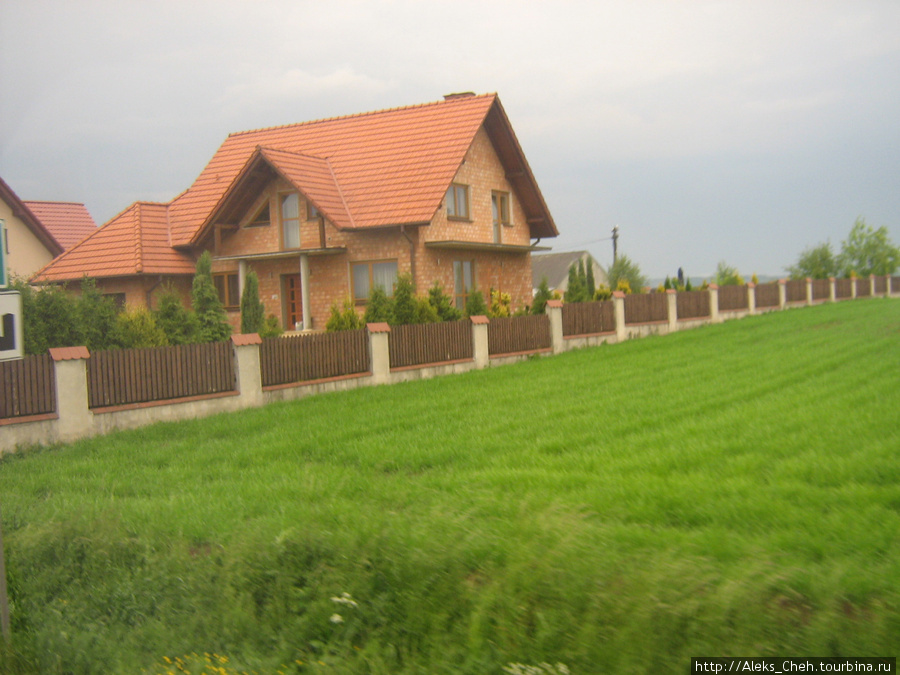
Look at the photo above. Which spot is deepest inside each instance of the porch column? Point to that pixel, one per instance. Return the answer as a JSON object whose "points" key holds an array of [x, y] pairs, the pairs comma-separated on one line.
{"points": [[242, 277], [304, 290]]}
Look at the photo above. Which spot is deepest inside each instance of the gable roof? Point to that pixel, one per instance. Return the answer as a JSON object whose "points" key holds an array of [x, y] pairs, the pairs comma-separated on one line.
{"points": [[21, 211], [313, 176], [384, 168], [68, 222], [389, 167], [134, 242]]}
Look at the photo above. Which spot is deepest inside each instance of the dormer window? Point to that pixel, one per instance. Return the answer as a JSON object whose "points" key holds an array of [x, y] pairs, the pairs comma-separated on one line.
{"points": [[290, 220], [458, 201]]}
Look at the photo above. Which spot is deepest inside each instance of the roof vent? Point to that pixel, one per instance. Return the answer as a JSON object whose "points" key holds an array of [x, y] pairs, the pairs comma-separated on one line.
{"points": [[462, 94]]}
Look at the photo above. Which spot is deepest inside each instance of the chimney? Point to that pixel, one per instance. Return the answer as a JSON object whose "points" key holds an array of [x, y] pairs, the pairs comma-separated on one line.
{"points": [[462, 94]]}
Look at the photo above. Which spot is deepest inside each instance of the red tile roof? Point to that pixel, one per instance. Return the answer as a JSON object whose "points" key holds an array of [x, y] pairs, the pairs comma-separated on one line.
{"points": [[134, 242], [21, 211], [393, 166], [383, 168], [68, 222]]}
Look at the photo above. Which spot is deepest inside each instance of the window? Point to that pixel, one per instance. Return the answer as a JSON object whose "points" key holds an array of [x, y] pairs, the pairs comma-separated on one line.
{"points": [[262, 218], [458, 201], [463, 281], [228, 289], [290, 220], [311, 211], [368, 275], [500, 208]]}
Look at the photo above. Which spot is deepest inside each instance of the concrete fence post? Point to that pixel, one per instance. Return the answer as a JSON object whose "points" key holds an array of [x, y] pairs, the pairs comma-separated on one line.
{"points": [[714, 303], [853, 282], [619, 304], [871, 285], [481, 350], [75, 419], [554, 312], [782, 293], [379, 352], [672, 308], [247, 372], [832, 291], [751, 298], [809, 291]]}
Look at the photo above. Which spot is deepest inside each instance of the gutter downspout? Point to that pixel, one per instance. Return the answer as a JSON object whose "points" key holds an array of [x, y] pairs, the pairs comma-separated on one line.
{"points": [[149, 292]]}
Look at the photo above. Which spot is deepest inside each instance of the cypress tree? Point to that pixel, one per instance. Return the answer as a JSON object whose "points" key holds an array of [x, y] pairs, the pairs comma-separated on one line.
{"points": [[211, 318], [253, 313], [589, 283]]}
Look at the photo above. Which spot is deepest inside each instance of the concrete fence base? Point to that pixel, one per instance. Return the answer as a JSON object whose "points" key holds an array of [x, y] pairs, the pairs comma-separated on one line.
{"points": [[74, 419]]}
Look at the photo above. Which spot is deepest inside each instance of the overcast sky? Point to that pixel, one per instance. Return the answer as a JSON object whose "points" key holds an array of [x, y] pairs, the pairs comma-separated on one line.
{"points": [[707, 131]]}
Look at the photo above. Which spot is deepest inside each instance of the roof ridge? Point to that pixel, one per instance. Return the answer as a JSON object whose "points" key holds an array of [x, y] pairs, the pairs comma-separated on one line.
{"points": [[362, 114], [50, 201]]}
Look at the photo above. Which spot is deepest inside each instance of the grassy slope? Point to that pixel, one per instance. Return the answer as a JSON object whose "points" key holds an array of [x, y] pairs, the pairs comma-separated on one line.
{"points": [[727, 491]]}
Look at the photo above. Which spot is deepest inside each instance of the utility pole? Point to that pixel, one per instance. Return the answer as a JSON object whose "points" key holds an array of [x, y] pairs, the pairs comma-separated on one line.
{"points": [[615, 241]]}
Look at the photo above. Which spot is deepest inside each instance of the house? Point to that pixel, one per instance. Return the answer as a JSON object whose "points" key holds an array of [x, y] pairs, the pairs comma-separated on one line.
{"points": [[28, 244], [324, 211], [555, 267]]}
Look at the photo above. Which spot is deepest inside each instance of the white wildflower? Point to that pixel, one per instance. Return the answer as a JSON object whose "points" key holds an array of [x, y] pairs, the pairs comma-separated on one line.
{"points": [[336, 618]]}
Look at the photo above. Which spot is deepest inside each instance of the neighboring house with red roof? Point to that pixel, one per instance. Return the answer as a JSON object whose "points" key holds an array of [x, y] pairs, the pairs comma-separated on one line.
{"points": [[29, 244], [325, 210], [68, 222]]}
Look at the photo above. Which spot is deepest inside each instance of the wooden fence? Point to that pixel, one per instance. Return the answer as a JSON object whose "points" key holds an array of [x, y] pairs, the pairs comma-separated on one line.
{"points": [[519, 334], [767, 295], [895, 284], [821, 289], [27, 387], [843, 288], [863, 288], [733, 298], [693, 304], [589, 318], [646, 307], [124, 376], [795, 290], [418, 344], [303, 358]]}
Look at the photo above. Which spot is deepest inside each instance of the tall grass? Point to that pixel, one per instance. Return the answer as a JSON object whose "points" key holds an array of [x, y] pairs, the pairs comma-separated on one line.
{"points": [[732, 490]]}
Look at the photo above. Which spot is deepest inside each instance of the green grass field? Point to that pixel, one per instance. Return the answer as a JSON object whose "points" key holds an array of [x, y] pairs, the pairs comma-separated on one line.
{"points": [[731, 490]]}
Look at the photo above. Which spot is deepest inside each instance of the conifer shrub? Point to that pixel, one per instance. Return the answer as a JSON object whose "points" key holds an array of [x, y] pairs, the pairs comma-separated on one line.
{"points": [[379, 307], [500, 304], [137, 329], [270, 328], [404, 301], [212, 321], [343, 318], [425, 311], [253, 313], [475, 304], [96, 316], [541, 298], [176, 321], [603, 292], [443, 304]]}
